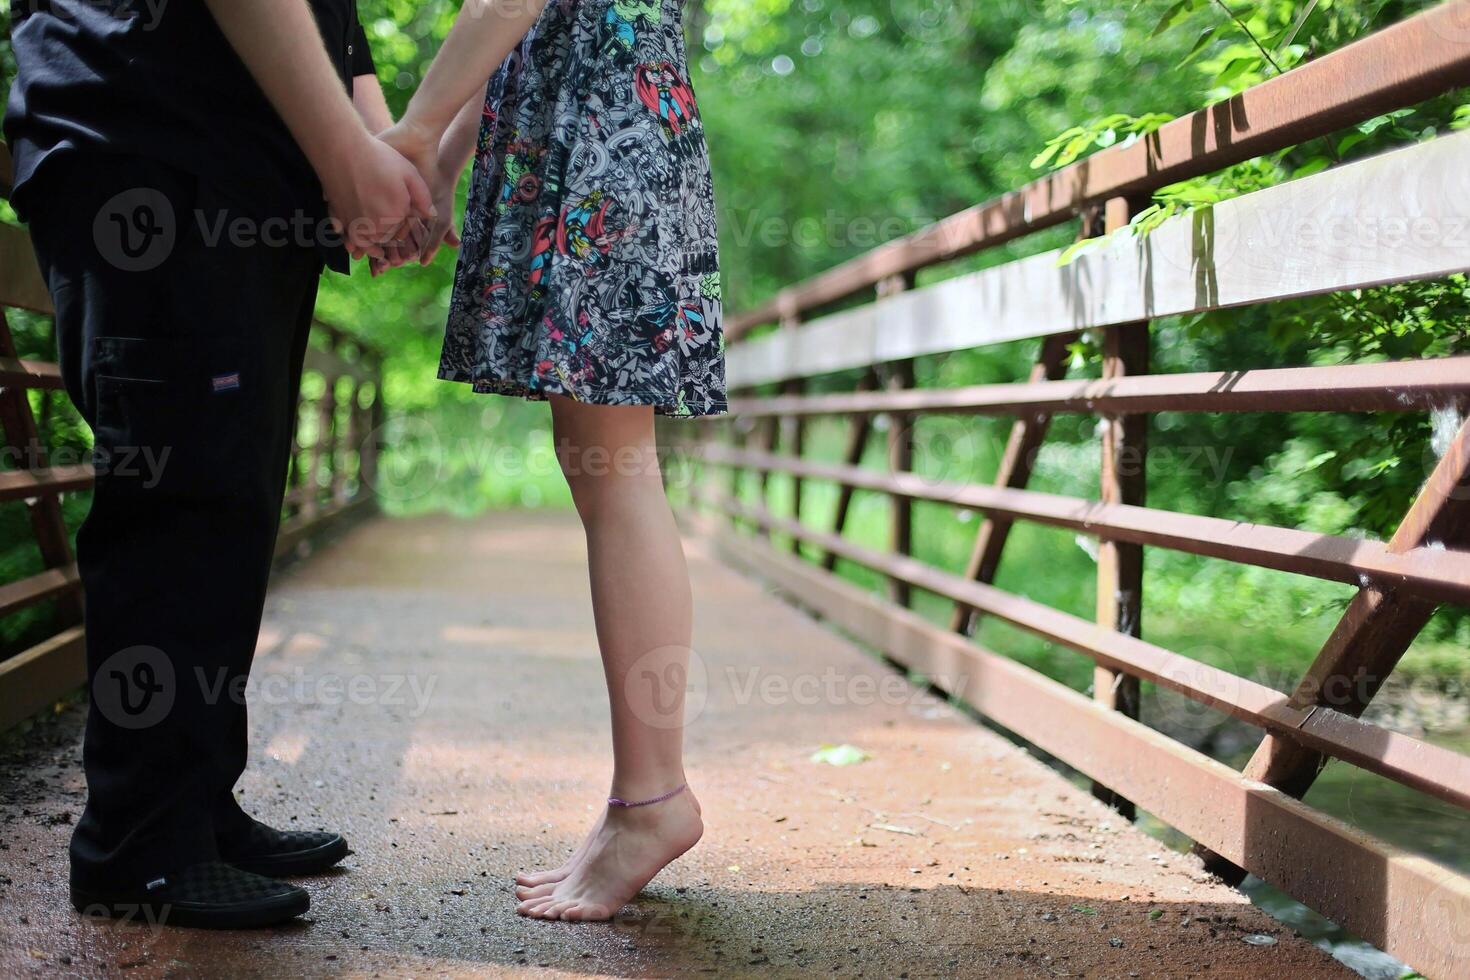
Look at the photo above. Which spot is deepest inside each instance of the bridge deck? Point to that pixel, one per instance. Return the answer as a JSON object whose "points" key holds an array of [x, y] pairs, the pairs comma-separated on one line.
{"points": [[949, 852]]}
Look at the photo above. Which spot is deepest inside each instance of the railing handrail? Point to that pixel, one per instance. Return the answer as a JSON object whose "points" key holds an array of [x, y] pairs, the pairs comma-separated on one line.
{"points": [[1416, 59], [1247, 251]]}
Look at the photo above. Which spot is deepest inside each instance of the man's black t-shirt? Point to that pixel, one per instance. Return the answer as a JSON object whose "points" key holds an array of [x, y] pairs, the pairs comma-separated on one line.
{"points": [[157, 78]]}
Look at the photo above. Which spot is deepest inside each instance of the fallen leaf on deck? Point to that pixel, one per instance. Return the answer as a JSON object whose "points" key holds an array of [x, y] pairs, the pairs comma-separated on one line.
{"points": [[840, 755], [894, 828]]}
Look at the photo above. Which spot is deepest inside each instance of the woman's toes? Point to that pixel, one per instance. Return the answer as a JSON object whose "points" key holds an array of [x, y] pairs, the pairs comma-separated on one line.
{"points": [[556, 909], [533, 878], [535, 907], [539, 891], [586, 912]]}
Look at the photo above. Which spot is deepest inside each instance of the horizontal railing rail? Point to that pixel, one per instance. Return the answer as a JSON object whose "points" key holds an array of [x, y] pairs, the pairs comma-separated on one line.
{"points": [[1401, 216], [332, 475], [1404, 64]]}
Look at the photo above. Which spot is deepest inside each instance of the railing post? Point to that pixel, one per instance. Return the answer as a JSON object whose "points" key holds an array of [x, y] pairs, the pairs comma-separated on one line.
{"points": [[1016, 464], [900, 449], [770, 437], [793, 428], [47, 522], [342, 448], [325, 442], [857, 444], [359, 423], [372, 444], [1373, 633], [1124, 481]]}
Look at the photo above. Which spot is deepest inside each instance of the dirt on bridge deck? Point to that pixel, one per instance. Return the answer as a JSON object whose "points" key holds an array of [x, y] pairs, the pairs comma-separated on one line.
{"points": [[431, 687]]}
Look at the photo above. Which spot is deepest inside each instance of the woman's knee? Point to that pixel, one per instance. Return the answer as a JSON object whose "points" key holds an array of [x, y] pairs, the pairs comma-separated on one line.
{"points": [[612, 494]]}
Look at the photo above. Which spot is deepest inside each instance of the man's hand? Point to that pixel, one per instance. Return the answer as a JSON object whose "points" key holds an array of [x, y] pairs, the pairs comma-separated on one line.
{"points": [[421, 148], [374, 196], [371, 190]]}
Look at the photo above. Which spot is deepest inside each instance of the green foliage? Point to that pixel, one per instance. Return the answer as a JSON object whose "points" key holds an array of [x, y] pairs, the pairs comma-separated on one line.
{"points": [[836, 125], [1117, 129]]}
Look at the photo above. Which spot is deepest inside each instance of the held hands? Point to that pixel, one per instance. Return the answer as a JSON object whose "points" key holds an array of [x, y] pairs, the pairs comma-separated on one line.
{"points": [[376, 198], [392, 199], [422, 148]]}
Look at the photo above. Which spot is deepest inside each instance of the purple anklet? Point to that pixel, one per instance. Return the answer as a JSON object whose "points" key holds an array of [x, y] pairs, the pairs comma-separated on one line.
{"points": [[614, 801]]}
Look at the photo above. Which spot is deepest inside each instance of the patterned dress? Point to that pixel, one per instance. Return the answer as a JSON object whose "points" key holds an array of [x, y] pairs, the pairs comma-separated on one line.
{"points": [[589, 266]]}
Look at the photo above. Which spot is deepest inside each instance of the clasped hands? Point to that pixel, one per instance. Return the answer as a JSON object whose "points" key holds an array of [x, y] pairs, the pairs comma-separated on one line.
{"points": [[390, 199]]}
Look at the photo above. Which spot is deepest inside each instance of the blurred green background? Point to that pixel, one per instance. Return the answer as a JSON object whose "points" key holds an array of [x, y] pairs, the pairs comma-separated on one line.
{"points": [[835, 125]]}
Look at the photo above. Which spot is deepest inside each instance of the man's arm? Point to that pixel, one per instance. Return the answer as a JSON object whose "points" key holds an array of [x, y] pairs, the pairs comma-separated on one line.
{"points": [[372, 108], [367, 94], [371, 190]]}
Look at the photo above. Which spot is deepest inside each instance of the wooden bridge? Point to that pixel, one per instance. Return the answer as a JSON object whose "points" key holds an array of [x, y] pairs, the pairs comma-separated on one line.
{"points": [[949, 850]]}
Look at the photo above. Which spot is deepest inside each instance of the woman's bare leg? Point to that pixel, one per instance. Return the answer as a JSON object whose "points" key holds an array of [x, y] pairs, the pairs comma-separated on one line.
{"points": [[643, 611]]}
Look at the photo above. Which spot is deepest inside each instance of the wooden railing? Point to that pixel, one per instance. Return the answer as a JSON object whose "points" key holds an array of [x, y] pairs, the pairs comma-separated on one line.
{"points": [[1254, 249], [331, 475]]}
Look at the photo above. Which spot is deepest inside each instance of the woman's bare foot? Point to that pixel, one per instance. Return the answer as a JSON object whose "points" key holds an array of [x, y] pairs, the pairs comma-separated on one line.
{"points": [[629, 847], [532, 884], [539, 884]]}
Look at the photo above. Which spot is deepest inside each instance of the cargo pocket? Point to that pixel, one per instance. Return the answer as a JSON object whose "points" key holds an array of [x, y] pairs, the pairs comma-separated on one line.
{"points": [[138, 411]]}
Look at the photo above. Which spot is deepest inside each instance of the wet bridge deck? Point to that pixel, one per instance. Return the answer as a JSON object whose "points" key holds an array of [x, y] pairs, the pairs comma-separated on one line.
{"points": [[431, 687]]}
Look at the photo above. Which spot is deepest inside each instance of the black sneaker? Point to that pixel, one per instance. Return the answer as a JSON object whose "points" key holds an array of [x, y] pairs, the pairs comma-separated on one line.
{"points": [[281, 853], [212, 895]]}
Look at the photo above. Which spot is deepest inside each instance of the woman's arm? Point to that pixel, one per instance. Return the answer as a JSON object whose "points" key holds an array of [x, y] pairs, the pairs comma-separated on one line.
{"points": [[484, 34], [455, 150]]}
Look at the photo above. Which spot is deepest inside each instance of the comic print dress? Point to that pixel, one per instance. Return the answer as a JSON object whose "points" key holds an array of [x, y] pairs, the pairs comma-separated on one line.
{"points": [[589, 265]]}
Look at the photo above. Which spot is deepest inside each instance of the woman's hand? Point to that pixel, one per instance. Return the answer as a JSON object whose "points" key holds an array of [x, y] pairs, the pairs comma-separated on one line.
{"points": [[443, 185], [373, 195], [418, 144], [419, 147]]}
